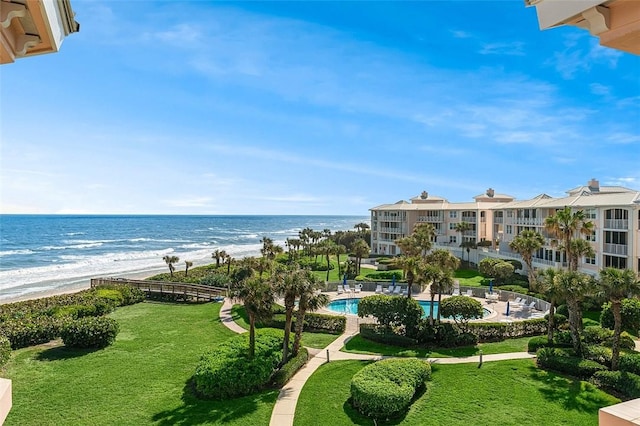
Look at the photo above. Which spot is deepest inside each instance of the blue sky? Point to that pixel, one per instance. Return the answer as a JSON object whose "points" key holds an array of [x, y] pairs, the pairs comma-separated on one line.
{"points": [[311, 108]]}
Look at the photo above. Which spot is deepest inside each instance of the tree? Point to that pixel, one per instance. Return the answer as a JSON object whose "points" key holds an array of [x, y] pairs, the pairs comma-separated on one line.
{"points": [[257, 297], [170, 260], [228, 260], [462, 227], [310, 300], [423, 234], [432, 274], [408, 246], [447, 263], [580, 248], [288, 283], [339, 249], [567, 225], [187, 265], [361, 227], [500, 270], [217, 255], [574, 286], [525, 244], [615, 285], [360, 250], [462, 309], [327, 248], [547, 284], [410, 266]]}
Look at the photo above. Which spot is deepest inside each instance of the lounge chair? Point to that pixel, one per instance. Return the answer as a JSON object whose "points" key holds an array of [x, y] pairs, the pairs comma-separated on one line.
{"points": [[389, 290], [469, 293], [358, 288], [517, 301], [530, 306], [456, 292], [348, 288], [379, 289], [340, 289], [405, 291], [397, 290]]}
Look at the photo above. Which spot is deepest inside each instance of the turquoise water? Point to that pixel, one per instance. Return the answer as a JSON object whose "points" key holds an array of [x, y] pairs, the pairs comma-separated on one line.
{"points": [[350, 306]]}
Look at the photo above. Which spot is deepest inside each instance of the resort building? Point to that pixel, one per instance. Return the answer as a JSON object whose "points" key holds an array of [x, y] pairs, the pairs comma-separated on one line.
{"points": [[615, 22], [495, 219], [34, 27]]}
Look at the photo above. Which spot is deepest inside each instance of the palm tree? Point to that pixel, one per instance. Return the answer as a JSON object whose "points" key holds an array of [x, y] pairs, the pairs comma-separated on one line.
{"points": [[462, 227], [410, 266], [228, 260], [327, 248], [580, 248], [408, 246], [361, 227], [310, 300], [525, 244], [288, 283], [574, 286], [170, 260], [187, 266], [548, 285], [567, 225], [217, 255], [339, 249], [615, 285], [431, 274], [258, 297], [360, 250], [423, 234], [447, 263]]}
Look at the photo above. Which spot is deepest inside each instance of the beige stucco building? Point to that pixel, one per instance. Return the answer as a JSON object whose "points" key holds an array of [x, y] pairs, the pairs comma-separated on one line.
{"points": [[615, 22], [34, 27], [496, 219]]}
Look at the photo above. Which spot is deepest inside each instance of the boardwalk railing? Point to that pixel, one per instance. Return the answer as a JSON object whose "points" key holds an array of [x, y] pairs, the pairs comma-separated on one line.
{"points": [[188, 291]]}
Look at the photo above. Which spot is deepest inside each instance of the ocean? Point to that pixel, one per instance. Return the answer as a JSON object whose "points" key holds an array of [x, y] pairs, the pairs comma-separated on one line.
{"points": [[55, 253]]}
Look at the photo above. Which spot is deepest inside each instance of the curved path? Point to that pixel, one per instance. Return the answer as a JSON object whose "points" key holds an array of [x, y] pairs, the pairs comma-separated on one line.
{"points": [[285, 407]]}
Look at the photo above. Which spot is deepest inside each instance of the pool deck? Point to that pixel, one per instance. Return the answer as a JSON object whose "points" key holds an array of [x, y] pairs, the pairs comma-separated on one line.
{"points": [[497, 308]]}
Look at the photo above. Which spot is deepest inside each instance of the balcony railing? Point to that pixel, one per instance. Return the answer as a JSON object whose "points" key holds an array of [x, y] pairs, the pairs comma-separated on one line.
{"points": [[431, 219], [498, 220], [616, 223], [615, 249], [391, 230], [528, 221], [469, 219]]}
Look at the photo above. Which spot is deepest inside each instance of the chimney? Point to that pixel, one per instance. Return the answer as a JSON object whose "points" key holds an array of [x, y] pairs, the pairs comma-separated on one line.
{"points": [[490, 192], [424, 195], [594, 185]]}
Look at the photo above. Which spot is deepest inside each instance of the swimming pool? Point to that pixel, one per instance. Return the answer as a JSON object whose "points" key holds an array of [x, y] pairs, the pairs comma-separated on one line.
{"points": [[350, 306]]}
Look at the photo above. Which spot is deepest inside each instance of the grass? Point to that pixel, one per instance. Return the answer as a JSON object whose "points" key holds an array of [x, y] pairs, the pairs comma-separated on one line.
{"points": [[507, 392], [470, 278], [359, 345], [311, 340], [143, 378]]}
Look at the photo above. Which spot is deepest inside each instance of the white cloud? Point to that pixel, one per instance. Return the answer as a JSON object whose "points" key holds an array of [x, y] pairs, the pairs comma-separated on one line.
{"points": [[515, 48], [577, 58]]}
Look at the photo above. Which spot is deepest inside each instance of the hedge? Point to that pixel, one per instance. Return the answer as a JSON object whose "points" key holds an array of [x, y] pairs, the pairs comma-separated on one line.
{"points": [[600, 354], [5, 350], [538, 342], [599, 335], [379, 334], [624, 382], [31, 331], [287, 371], [385, 389], [557, 360], [90, 332], [313, 323], [630, 362], [496, 331], [227, 371], [630, 312]]}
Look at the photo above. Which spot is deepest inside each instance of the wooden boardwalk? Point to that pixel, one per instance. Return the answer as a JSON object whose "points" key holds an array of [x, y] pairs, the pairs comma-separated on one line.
{"points": [[187, 291]]}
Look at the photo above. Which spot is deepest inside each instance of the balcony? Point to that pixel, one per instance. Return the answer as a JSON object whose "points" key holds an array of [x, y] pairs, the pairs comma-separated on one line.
{"points": [[528, 221], [391, 230], [616, 223], [498, 220], [619, 249], [431, 219], [468, 219]]}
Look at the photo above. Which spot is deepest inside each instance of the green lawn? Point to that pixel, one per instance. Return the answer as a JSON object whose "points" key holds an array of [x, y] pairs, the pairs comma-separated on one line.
{"points": [[363, 346], [312, 340], [500, 393], [141, 379], [470, 278]]}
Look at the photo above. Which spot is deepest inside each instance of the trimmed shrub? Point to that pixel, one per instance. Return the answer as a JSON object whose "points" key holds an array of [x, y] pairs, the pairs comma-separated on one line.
{"points": [[598, 335], [112, 295], [385, 389], [130, 295], [630, 362], [216, 279], [600, 354], [538, 342], [630, 315], [227, 371], [383, 335], [558, 360], [90, 332], [559, 320], [313, 323], [462, 309], [5, 350], [73, 311], [515, 288], [31, 331], [444, 335], [292, 366], [628, 384], [381, 275], [393, 312]]}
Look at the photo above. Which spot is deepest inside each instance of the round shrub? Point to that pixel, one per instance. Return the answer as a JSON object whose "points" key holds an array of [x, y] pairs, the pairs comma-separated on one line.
{"points": [[112, 295], [5, 350], [626, 383], [630, 362], [385, 389], [600, 354], [462, 309], [558, 360], [90, 332], [25, 332], [537, 342], [228, 372]]}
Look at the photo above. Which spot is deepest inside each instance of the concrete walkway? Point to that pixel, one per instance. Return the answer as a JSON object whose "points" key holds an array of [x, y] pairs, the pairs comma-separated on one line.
{"points": [[285, 407]]}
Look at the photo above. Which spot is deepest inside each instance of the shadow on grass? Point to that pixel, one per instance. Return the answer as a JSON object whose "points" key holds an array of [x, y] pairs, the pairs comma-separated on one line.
{"points": [[359, 344], [570, 393], [359, 419], [64, 352], [195, 411]]}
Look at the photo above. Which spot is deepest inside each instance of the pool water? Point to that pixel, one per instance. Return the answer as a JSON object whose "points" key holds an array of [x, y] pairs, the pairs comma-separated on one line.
{"points": [[350, 306]]}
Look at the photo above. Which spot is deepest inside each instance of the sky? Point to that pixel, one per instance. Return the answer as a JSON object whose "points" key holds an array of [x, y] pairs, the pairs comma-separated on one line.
{"points": [[311, 108]]}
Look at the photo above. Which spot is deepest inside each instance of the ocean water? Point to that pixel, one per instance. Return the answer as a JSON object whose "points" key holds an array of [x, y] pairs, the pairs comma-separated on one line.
{"points": [[42, 253]]}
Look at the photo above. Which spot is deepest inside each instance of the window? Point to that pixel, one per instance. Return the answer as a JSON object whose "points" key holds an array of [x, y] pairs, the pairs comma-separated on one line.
{"points": [[452, 226], [509, 213], [591, 237], [453, 239], [613, 237], [590, 214], [509, 229], [453, 214], [616, 214], [590, 260], [615, 262]]}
